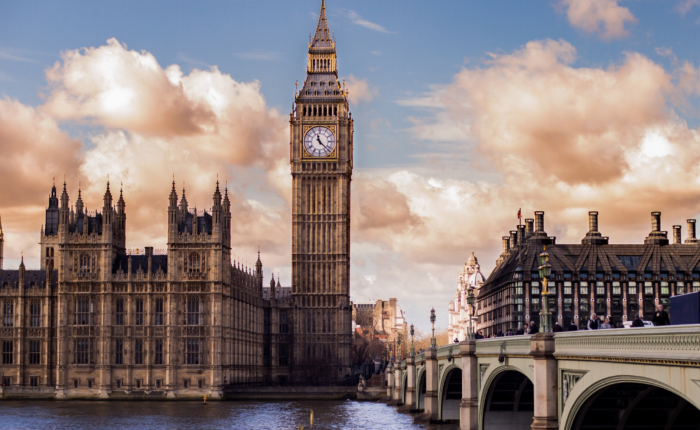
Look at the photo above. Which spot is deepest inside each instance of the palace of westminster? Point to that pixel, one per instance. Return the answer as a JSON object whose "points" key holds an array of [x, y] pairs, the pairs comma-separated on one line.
{"points": [[98, 320]]}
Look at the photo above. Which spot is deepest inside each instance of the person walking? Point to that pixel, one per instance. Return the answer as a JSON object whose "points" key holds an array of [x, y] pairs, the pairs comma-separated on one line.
{"points": [[479, 335], [557, 328], [533, 328], [520, 331], [510, 332], [606, 323], [573, 326], [637, 321], [594, 322], [660, 316]]}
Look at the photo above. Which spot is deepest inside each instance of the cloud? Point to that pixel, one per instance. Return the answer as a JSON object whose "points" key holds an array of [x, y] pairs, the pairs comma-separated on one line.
{"points": [[357, 19], [359, 90], [555, 137], [604, 17], [685, 6], [150, 122]]}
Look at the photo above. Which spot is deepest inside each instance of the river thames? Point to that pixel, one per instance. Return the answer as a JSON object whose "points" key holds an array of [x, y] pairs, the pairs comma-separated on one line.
{"points": [[47, 415]]}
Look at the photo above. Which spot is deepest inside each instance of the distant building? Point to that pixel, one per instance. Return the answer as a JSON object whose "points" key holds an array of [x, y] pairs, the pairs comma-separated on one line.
{"points": [[470, 277], [618, 281], [388, 320]]}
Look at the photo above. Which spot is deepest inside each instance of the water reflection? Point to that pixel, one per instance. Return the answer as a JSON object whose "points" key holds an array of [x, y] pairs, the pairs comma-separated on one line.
{"points": [[215, 415]]}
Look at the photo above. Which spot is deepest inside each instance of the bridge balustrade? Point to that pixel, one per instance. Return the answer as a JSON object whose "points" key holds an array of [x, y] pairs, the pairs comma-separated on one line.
{"points": [[552, 381]]}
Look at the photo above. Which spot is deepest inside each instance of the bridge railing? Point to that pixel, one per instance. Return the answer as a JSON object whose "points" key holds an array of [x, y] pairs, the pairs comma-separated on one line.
{"points": [[512, 345], [662, 345]]}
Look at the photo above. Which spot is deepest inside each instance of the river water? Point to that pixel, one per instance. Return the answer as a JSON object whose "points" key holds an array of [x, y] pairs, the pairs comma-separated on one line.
{"points": [[46, 415]]}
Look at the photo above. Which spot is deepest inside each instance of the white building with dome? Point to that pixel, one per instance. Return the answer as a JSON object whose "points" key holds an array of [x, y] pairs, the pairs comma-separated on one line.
{"points": [[470, 278]]}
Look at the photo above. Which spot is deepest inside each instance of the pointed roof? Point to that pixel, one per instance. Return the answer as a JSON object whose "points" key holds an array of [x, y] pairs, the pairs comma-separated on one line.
{"points": [[322, 37]]}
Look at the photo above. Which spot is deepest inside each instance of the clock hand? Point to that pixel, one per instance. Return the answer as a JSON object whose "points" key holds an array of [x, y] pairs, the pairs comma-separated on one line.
{"points": [[318, 139]]}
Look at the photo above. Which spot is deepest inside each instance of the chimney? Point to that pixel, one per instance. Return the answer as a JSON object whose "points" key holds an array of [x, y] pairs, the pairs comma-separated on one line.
{"points": [[506, 243], [521, 234], [656, 236], [513, 239], [676, 235], [539, 222], [553, 239], [656, 221], [593, 221], [529, 224], [691, 232]]}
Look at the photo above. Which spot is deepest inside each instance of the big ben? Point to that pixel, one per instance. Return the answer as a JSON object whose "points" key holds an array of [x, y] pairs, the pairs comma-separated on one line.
{"points": [[321, 151]]}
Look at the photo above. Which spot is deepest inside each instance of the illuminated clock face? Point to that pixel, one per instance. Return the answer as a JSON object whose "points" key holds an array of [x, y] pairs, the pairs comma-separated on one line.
{"points": [[319, 141]]}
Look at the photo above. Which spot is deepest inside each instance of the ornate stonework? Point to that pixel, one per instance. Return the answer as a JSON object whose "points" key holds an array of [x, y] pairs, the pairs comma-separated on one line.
{"points": [[469, 278], [321, 163]]}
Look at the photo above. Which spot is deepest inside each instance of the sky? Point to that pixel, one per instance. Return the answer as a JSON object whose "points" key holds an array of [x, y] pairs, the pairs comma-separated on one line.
{"points": [[465, 112]]}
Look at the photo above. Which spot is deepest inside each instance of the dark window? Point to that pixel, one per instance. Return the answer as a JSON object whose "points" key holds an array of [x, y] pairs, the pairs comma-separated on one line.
{"points": [[83, 311], [194, 314], [193, 351], [629, 261], [8, 309], [159, 352], [159, 383], [632, 275], [139, 311], [600, 307], [138, 351], [201, 383], [186, 383], [583, 306], [35, 352], [138, 383], [664, 275], [34, 381], [583, 275], [7, 349], [534, 275], [647, 274], [119, 351], [118, 383], [599, 275], [159, 311], [616, 305], [616, 275], [266, 321], [35, 314], [83, 351], [119, 312], [568, 305], [284, 355], [567, 275], [284, 326]]}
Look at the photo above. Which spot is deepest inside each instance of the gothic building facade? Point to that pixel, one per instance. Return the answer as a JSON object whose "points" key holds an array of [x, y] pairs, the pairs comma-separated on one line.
{"points": [[612, 280], [99, 319]]}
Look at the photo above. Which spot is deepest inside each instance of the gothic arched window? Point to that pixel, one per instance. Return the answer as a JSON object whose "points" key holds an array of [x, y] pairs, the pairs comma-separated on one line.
{"points": [[194, 262], [84, 263]]}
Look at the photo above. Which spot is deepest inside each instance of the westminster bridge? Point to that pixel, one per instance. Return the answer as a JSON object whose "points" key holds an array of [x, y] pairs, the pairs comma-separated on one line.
{"points": [[642, 378]]}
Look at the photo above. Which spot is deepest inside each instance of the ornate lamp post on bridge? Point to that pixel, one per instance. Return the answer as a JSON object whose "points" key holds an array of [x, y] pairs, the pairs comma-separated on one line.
{"points": [[433, 341], [545, 270], [398, 349], [413, 350], [470, 302]]}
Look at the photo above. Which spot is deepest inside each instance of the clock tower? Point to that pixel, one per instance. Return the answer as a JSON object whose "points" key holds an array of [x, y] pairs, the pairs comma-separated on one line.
{"points": [[321, 150]]}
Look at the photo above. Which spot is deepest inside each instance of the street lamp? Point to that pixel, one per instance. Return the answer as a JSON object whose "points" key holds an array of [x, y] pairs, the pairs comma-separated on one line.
{"points": [[433, 341], [545, 271], [391, 355], [398, 356], [413, 350], [470, 302]]}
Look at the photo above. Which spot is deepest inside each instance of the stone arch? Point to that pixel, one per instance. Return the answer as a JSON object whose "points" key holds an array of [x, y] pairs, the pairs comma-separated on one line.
{"points": [[421, 387], [404, 382], [450, 393], [632, 392], [515, 413]]}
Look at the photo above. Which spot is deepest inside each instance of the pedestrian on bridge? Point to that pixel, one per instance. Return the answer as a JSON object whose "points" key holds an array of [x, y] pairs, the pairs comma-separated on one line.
{"points": [[573, 326], [606, 324], [557, 328], [661, 316], [594, 322], [637, 321], [533, 328]]}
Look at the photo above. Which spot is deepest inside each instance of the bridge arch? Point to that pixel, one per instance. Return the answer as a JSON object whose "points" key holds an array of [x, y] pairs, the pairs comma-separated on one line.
{"points": [[450, 393], [506, 400], [421, 386], [644, 401], [404, 383]]}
